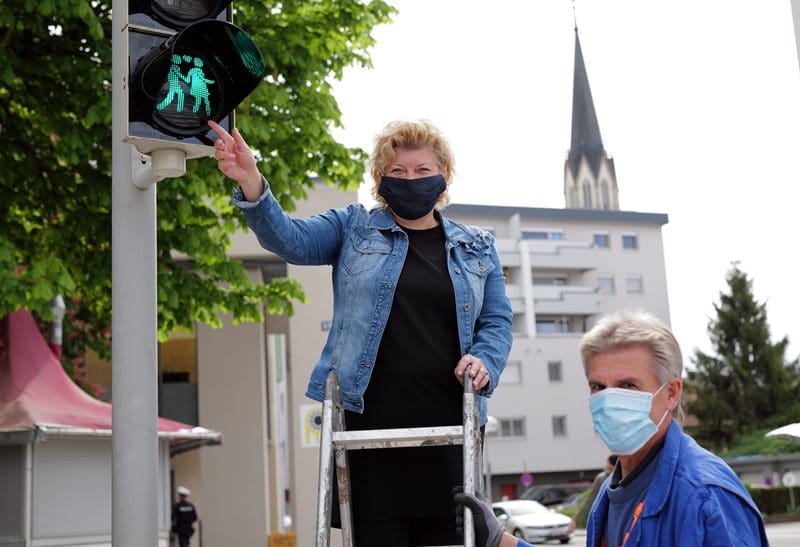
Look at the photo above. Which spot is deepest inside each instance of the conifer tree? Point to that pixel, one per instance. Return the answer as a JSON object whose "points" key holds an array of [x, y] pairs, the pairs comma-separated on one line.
{"points": [[747, 383]]}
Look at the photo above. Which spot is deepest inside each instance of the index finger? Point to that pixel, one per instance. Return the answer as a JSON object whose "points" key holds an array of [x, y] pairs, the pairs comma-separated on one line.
{"points": [[461, 366], [219, 130]]}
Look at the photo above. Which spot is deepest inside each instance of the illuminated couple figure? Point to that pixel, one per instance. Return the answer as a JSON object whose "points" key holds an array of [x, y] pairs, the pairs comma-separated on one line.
{"points": [[198, 84]]}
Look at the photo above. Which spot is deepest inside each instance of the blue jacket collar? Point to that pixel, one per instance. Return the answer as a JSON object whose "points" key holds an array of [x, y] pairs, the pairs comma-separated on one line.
{"points": [[657, 497]]}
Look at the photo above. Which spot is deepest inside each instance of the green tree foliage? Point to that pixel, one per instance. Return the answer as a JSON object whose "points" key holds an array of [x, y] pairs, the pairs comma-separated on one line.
{"points": [[55, 147], [747, 383]]}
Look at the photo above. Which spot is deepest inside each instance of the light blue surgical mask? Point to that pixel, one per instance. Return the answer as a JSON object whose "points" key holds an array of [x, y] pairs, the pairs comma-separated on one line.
{"points": [[622, 418]]}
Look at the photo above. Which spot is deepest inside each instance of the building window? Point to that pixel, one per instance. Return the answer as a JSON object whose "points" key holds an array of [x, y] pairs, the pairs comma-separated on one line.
{"points": [[534, 234], [559, 426], [554, 371], [606, 196], [633, 284], [512, 374], [178, 359], [602, 240], [587, 195], [630, 241], [511, 427], [605, 285], [557, 280], [177, 390], [543, 235], [552, 326]]}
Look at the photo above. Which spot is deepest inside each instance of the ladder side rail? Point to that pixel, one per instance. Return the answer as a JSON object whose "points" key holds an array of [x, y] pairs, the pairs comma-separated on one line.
{"points": [[342, 471], [470, 453], [324, 492]]}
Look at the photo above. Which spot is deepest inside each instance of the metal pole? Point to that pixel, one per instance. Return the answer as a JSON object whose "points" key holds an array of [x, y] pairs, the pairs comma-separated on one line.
{"points": [[492, 424], [134, 500], [796, 21], [470, 454], [325, 488]]}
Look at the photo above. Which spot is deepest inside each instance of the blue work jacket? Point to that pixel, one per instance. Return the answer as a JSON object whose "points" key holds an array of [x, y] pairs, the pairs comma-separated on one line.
{"points": [[367, 250], [695, 499]]}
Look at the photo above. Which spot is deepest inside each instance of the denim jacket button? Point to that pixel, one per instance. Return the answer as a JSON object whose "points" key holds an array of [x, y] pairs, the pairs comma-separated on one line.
{"points": [[458, 270], [466, 307]]}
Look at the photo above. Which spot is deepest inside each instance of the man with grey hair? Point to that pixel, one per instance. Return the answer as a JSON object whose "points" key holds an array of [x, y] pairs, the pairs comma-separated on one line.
{"points": [[665, 488]]}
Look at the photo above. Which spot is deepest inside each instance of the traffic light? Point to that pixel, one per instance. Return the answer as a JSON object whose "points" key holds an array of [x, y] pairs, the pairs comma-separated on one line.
{"points": [[187, 64]]}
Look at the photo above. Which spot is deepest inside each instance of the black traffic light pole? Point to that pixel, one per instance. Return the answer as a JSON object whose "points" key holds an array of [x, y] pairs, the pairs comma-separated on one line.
{"points": [[134, 499]]}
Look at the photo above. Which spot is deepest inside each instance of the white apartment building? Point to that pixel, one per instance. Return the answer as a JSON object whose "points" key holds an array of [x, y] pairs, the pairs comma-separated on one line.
{"points": [[563, 268]]}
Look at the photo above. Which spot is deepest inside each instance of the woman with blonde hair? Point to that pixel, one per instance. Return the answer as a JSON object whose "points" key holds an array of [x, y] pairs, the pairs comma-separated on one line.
{"points": [[417, 299]]}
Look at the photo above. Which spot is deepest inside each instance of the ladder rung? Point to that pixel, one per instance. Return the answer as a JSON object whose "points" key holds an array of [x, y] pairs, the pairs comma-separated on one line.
{"points": [[400, 437], [335, 441]]}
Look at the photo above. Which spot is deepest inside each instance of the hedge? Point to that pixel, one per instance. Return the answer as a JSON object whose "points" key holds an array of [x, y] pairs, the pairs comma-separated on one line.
{"points": [[775, 500]]}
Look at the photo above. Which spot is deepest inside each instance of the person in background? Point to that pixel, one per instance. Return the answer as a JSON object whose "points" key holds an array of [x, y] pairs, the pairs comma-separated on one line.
{"points": [[583, 510], [184, 515], [418, 298], [665, 488]]}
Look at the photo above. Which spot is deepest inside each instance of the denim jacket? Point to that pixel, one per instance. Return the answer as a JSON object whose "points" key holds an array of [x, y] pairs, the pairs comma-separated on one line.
{"points": [[367, 250]]}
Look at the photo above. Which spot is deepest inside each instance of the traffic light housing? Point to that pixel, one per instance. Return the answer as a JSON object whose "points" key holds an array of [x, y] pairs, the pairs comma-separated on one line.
{"points": [[188, 63]]}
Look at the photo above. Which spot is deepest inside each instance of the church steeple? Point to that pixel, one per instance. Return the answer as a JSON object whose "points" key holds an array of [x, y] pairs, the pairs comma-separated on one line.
{"points": [[590, 180]]}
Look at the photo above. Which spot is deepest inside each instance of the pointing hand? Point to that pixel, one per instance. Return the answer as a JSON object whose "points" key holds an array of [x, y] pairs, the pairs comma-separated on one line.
{"points": [[236, 160]]}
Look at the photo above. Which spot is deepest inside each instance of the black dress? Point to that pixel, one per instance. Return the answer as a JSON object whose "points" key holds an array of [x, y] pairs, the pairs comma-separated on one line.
{"points": [[413, 385]]}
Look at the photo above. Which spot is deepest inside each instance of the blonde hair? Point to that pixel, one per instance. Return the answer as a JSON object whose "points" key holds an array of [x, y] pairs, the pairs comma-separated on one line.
{"points": [[630, 328], [408, 135]]}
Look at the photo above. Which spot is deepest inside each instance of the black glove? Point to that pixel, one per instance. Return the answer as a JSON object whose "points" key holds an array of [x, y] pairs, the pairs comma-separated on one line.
{"points": [[488, 530]]}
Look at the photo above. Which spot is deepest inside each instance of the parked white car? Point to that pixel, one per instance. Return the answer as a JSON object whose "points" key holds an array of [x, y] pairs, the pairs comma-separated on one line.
{"points": [[532, 521]]}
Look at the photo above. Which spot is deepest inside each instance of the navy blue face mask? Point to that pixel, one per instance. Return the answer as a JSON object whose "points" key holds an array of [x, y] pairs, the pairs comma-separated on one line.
{"points": [[412, 198]]}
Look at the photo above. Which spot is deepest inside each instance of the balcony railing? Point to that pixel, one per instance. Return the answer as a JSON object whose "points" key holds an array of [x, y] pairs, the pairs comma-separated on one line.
{"points": [[565, 300]]}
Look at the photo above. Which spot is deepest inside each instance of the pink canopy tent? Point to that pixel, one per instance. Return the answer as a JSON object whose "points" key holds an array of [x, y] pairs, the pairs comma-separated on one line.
{"points": [[37, 395]]}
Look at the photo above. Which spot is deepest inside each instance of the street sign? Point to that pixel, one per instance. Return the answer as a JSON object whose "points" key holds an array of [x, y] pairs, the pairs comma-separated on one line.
{"points": [[526, 479]]}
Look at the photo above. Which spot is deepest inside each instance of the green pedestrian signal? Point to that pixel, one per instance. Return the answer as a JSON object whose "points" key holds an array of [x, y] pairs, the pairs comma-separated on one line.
{"points": [[181, 77]]}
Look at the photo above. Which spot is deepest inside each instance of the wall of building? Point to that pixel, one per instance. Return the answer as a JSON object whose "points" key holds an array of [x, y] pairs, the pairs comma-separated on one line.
{"points": [[240, 487], [555, 290], [308, 332], [232, 400]]}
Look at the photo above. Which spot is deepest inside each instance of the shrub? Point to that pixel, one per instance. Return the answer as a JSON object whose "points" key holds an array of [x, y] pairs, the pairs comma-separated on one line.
{"points": [[775, 500]]}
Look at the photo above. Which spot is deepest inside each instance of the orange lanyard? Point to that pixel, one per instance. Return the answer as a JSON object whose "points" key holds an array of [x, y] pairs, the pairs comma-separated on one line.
{"points": [[636, 513]]}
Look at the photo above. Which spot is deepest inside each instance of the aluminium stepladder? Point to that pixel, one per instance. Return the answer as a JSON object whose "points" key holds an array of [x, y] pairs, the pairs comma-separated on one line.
{"points": [[335, 442]]}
